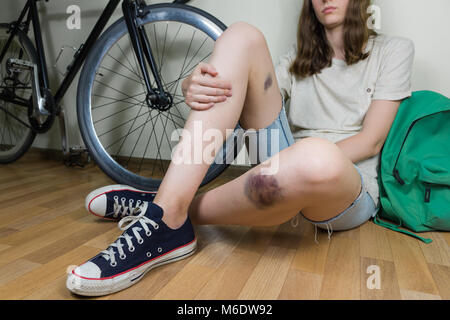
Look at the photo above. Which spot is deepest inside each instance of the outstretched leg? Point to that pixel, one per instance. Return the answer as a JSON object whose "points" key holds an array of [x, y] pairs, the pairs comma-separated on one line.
{"points": [[314, 176], [242, 57]]}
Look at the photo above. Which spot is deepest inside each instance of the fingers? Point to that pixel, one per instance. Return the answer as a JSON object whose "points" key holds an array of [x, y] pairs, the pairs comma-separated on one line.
{"points": [[201, 102], [211, 82], [200, 106], [207, 99], [201, 77], [207, 68], [206, 88], [210, 91]]}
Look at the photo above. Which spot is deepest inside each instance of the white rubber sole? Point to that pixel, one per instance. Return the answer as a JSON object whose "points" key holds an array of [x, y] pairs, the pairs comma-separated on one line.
{"points": [[100, 287], [104, 190]]}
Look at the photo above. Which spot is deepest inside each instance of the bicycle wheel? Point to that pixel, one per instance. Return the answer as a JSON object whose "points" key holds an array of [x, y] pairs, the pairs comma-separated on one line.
{"points": [[131, 142], [16, 136]]}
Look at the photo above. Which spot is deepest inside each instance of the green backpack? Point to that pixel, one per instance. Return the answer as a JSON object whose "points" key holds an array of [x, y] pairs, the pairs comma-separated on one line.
{"points": [[414, 170]]}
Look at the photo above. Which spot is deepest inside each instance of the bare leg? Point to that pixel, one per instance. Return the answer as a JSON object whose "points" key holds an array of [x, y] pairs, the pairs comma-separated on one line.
{"points": [[314, 176], [242, 57]]}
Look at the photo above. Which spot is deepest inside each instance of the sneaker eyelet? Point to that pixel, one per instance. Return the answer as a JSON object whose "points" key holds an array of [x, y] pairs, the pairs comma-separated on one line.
{"points": [[140, 241], [149, 233], [131, 249], [149, 254], [123, 257], [159, 249], [116, 198], [113, 264], [156, 226]]}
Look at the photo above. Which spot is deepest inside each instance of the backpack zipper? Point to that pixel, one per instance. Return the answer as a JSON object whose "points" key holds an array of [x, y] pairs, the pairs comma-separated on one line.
{"points": [[395, 171], [427, 194]]}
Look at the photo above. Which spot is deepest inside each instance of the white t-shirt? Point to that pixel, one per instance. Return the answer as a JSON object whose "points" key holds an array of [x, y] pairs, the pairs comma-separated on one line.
{"points": [[332, 104]]}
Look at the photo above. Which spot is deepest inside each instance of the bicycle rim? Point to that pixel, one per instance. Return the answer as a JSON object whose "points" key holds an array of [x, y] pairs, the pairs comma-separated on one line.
{"points": [[131, 142]]}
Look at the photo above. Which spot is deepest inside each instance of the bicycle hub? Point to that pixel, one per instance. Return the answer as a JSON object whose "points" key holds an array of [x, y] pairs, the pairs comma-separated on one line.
{"points": [[159, 101]]}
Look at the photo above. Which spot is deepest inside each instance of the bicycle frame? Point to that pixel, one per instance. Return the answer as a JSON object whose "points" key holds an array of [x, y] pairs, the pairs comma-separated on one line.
{"points": [[131, 11]]}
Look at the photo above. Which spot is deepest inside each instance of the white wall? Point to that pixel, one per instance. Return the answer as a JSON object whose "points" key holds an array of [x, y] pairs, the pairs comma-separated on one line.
{"points": [[425, 22]]}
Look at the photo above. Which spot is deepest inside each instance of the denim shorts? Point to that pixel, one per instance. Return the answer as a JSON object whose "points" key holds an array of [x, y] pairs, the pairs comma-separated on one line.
{"points": [[361, 210]]}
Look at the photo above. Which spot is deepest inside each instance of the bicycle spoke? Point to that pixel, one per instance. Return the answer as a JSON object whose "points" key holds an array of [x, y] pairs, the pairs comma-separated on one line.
{"points": [[15, 117], [156, 41], [149, 139], [123, 65], [120, 74], [129, 133], [104, 84], [158, 154], [118, 112], [188, 71], [138, 135], [131, 127], [122, 124], [115, 100], [129, 62], [171, 45], [164, 45]]}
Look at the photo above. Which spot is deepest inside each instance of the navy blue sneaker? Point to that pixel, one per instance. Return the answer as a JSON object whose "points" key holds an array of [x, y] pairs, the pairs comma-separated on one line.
{"points": [[146, 243], [117, 201]]}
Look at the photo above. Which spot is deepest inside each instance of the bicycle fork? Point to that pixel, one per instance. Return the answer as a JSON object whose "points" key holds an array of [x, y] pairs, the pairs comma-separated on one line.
{"points": [[142, 49]]}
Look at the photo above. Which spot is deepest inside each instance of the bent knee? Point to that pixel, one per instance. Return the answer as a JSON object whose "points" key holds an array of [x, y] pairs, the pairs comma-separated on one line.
{"points": [[263, 190], [319, 161], [242, 34]]}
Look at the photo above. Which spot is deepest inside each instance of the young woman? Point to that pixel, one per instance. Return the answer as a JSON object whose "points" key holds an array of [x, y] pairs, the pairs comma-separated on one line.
{"points": [[344, 84]]}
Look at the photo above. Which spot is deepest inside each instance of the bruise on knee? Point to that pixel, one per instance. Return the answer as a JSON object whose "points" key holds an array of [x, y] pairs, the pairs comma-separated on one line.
{"points": [[268, 83], [262, 190]]}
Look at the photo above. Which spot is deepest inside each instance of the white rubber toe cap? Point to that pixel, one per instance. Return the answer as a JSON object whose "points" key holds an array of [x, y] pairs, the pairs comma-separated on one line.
{"points": [[96, 204], [88, 270]]}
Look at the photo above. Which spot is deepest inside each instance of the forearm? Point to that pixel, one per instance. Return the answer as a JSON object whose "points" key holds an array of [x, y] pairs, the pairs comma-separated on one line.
{"points": [[357, 147]]}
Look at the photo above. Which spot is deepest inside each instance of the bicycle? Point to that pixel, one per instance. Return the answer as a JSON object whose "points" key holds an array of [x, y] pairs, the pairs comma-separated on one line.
{"points": [[123, 90]]}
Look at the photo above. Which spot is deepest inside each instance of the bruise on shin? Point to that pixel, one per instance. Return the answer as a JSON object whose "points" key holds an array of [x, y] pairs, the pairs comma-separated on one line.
{"points": [[262, 190], [268, 83]]}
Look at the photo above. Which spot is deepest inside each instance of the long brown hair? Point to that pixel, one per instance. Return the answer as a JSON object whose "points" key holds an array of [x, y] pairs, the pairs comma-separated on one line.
{"points": [[314, 53]]}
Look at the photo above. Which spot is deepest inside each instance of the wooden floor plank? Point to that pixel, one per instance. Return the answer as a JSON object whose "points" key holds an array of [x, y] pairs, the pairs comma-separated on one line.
{"points": [[269, 275], [416, 295], [441, 276], [438, 251], [300, 285], [410, 265], [311, 256], [238, 266], [16, 269], [341, 278], [45, 231], [33, 281], [375, 242]]}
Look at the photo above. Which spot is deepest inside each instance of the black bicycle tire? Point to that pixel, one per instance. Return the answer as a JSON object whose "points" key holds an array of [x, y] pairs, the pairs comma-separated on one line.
{"points": [[108, 165], [26, 42]]}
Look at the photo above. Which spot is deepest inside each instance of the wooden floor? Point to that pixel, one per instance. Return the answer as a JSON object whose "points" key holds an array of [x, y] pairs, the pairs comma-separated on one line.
{"points": [[45, 231]]}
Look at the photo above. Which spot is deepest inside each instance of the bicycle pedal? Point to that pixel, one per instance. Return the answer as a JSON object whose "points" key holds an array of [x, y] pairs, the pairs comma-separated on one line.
{"points": [[77, 157], [19, 65]]}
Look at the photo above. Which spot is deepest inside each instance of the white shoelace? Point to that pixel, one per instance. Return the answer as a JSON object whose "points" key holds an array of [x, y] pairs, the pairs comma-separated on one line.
{"points": [[122, 209], [110, 254]]}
